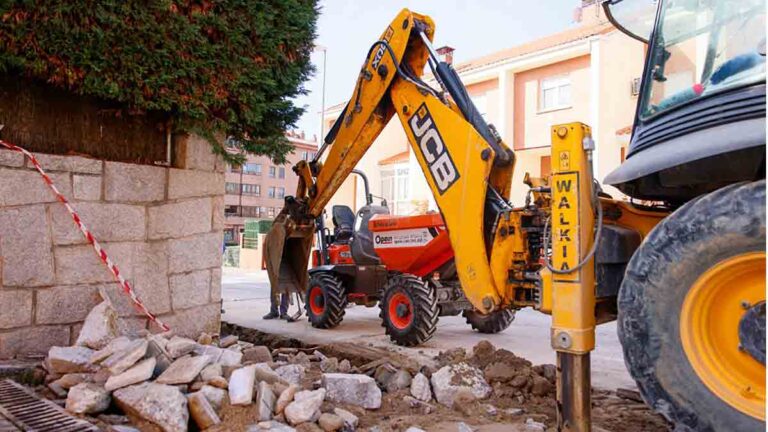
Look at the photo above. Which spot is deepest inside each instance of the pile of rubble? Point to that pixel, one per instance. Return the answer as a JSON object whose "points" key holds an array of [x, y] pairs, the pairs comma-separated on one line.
{"points": [[163, 382]]}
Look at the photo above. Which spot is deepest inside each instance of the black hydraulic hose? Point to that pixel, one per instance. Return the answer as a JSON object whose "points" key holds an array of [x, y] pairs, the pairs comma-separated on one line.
{"points": [[598, 232]]}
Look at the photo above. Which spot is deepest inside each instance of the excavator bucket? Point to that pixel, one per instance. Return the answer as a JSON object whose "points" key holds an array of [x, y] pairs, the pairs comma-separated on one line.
{"points": [[286, 251]]}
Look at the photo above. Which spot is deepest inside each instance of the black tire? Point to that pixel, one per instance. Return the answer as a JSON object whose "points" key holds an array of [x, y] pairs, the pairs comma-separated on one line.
{"points": [[326, 290], [495, 322], [418, 325], [702, 233]]}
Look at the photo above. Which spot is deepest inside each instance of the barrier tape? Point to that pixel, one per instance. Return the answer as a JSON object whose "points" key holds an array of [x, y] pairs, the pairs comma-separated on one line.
{"points": [[88, 236]]}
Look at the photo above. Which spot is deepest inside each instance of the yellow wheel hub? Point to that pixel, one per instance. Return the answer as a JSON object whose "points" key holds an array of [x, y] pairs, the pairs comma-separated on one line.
{"points": [[709, 329]]}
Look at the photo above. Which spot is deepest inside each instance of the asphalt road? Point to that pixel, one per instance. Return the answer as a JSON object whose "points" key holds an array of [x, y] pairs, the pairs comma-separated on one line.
{"points": [[246, 299]]}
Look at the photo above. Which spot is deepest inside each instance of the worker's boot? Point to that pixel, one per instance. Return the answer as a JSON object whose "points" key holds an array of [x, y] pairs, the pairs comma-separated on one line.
{"points": [[271, 315]]}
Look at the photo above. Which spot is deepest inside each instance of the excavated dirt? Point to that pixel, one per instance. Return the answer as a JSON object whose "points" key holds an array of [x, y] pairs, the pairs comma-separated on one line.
{"points": [[521, 391]]}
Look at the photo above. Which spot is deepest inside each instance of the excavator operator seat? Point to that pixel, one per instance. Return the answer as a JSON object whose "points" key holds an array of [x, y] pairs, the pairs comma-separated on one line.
{"points": [[343, 223], [362, 243]]}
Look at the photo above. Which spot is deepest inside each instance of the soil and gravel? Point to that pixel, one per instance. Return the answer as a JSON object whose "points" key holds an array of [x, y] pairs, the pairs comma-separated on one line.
{"points": [[521, 391], [246, 380]]}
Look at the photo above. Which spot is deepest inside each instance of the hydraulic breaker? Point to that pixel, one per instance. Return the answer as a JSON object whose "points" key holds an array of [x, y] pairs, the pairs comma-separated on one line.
{"points": [[573, 234]]}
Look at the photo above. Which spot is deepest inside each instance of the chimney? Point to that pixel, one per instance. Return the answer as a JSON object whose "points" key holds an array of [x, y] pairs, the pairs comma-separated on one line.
{"points": [[446, 54]]}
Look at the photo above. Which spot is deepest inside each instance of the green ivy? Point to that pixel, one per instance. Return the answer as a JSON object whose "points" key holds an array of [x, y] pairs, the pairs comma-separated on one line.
{"points": [[218, 67]]}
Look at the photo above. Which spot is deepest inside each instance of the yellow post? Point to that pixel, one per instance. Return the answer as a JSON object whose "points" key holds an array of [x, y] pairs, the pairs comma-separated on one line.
{"points": [[573, 282]]}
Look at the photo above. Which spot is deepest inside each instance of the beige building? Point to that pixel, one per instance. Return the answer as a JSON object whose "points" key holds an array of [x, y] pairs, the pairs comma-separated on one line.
{"points": [[256, 189], [589, 73]]}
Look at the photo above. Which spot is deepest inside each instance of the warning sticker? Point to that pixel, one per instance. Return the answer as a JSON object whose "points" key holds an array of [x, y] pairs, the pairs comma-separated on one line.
{"points": [[402, 238]]}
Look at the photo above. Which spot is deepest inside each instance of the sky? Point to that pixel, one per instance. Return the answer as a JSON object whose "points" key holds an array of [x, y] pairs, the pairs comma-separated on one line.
{"points": [[347, 28]]}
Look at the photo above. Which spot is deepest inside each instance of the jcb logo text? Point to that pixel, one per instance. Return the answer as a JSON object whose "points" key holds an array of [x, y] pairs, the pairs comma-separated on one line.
{"points": [[433, 149]]}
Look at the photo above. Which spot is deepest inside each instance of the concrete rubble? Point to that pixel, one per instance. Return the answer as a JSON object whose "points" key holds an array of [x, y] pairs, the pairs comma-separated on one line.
{"points": [[121, 385]]}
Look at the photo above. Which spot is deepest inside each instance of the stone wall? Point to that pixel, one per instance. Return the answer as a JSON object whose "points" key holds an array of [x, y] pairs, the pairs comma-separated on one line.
{"points": [[161, 226]]}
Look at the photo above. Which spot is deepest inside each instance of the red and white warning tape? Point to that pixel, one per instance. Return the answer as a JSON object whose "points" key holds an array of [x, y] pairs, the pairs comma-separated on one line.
{"points": [[96, 246]]}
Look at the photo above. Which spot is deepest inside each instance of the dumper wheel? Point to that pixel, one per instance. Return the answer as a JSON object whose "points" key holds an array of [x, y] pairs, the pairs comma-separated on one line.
{"points": [[408, 310], [692, 312], [494, 322], [325, 300]]}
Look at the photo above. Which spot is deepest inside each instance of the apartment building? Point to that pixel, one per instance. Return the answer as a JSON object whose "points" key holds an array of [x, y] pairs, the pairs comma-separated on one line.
{"points": [[589, 73], [255, 190]]}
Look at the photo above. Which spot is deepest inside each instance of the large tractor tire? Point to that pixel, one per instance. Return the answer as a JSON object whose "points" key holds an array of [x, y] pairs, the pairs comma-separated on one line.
{"points": [[325, 300], [492, 323], [692, 312], [408, 310]]}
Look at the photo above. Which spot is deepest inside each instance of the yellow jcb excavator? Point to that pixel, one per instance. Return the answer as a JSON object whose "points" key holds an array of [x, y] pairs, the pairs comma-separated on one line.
{"points": [[684, 273]]}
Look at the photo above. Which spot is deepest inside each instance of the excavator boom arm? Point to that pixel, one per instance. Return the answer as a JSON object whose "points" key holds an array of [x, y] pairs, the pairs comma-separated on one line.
{"points": [[467, 166]]}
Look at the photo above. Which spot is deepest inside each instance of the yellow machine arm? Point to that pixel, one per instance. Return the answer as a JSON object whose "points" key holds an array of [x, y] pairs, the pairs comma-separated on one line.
{"points": [[467, 166]]}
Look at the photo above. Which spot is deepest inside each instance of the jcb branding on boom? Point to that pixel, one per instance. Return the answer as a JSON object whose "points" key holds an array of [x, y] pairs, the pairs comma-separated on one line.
{"points": [[433, 149]]}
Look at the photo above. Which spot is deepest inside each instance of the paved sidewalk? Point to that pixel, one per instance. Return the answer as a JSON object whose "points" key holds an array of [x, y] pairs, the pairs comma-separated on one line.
{"points": [[246, 299]]}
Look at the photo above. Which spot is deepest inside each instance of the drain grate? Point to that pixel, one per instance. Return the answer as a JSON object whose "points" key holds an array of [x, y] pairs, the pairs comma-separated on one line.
{"points": [[32, 414]]}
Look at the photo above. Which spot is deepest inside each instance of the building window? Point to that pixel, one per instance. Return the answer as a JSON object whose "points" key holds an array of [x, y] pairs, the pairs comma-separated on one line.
{"points": [[262, 211], [555, 93], [271, 192], [232, 188], [252, 189], [252, 168], [281, 173], [395, 188], [305, 155], [281, 192], [271, 212], [231, 210], [234, 168], [250, 211]]}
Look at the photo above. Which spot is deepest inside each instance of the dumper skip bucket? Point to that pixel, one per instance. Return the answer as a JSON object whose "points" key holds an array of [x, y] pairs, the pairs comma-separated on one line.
{"points": [[287, 250]]}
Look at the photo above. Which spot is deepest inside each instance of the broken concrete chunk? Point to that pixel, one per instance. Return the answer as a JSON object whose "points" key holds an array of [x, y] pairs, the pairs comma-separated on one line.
{"points": [[218, 355], [265, 401], [137, 374], [286, 397], [241, 385], [72, 379], [205, 339], [447, 380], [305, 408], [345, 366], [265, 373], [257, 354], [163, 405], [228, 341], [184, 370], [354, 389], [219, 382], [230, 358], [211, 371], [87, 398], [401, 380], [201, 411], [127, 357], [329, 365], [115, 345], [156, 348], [292, 374], [214, 395], [179, 346], [64, 360], [99, 328], [350, 419], [420, 388], [330, 422]]}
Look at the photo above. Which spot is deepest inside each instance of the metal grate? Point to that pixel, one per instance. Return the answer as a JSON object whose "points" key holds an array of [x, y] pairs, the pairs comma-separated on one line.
{"points": [[30, 413]]}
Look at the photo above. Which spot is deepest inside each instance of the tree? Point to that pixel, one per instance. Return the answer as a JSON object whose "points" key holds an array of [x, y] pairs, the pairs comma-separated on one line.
{"points": [[216, 67]]}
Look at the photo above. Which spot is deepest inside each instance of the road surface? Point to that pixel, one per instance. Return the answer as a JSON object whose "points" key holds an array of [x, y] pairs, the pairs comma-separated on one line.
{"points": [[246, 300]]}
